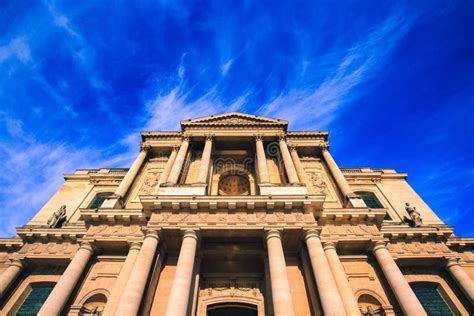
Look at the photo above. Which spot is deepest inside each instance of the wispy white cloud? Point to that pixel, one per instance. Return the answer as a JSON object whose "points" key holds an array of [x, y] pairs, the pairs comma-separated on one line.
{"points": [[316, 106], [17, 48], [226, 67]]}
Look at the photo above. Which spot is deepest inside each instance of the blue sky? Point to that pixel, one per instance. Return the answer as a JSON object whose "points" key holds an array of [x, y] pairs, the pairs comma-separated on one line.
{"points": [[393, 81]]}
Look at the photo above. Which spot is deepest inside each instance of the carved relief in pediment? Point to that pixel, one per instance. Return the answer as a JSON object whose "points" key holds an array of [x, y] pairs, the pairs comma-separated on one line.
{"points": [[151, 181]]}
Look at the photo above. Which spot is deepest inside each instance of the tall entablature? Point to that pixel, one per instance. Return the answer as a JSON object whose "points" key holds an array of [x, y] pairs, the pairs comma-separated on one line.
{"points": [[236, 215]]}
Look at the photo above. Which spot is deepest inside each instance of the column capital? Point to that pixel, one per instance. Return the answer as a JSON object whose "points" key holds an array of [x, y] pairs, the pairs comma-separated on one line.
{"points": [[258, 137], [145, 147], [185, 137], [282, 137], [271, 233], [452, 262], [209, 137], [87, 246], [379, 244], [16, 262], [151, 233], [134, 245], [329, 245], [190, 233], [175, 148], [310, 233], [292, 148], [324, 147]]}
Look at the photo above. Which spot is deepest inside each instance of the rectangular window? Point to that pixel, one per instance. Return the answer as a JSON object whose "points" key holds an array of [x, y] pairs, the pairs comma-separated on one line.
{"points": [[99, 200], [431, 300], [35, 300]]}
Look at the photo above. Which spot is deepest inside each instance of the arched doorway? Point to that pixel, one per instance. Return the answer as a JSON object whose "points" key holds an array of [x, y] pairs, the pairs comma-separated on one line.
{"points": [[232, 309]]}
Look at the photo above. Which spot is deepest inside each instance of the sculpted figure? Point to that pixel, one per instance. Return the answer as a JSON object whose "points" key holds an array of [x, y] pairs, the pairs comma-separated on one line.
{"points": [[370, 311], [318, 183], [415, 218], [58, 218]]}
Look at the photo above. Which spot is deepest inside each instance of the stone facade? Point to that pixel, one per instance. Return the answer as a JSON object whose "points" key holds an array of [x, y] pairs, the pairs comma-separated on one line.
{"points": [[236, 214]]}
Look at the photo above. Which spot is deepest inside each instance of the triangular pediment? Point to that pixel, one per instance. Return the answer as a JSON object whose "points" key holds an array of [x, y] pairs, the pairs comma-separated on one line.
{"points": [[234, 118]]}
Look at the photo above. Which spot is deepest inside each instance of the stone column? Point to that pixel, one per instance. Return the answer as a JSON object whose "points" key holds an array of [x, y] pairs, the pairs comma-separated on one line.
{"points": [[181, 287], [169, 164], [407, 299], [331, 301], [179, 161], [132, 295], [289, 166], [56, 300], [345, 290], [261, 160], [462, 278], [205, 161], [350, 199], [132, 172], [9, 275], [299, 167], [281, 293], [122, 279]]}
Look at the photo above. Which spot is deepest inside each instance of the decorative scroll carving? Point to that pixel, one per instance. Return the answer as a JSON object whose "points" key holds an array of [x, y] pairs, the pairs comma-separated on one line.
{"points": [[98, 181], [317, 182], [115, 231], [417, 247], [347, 229], [234, 218], [58, 218], [38, 248], [232, 288]]}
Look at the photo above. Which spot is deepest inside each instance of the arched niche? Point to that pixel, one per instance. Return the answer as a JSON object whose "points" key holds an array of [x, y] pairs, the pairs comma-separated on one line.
{"points": [[94, 303], [370, 303]]}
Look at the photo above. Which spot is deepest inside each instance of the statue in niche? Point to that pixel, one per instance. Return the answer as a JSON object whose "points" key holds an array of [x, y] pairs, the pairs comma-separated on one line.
{"points": [[318, 183], [370, 311], [58, 218], [415, 219]]}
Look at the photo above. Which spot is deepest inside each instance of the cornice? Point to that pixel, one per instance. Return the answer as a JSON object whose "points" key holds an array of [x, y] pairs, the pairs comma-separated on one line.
{"points": [[311, 203], [461, 243], [405, 232], [44, 233], [116, 216], [149, 135], [339, 216], [10, 244]]}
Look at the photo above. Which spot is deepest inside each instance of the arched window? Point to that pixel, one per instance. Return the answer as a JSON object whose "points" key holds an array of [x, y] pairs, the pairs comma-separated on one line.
{"points": [[430, 296], [370, 199], [100, 199], [35, 299]]}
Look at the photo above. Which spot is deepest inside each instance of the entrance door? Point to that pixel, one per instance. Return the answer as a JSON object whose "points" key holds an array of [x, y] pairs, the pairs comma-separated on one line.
{"points": [[232, 310]]}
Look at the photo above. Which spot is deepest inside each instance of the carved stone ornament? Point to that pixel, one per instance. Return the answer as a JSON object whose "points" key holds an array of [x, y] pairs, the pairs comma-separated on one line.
{"points": [[58, 218], [317, 183], [415, 219], [151, 181]]}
